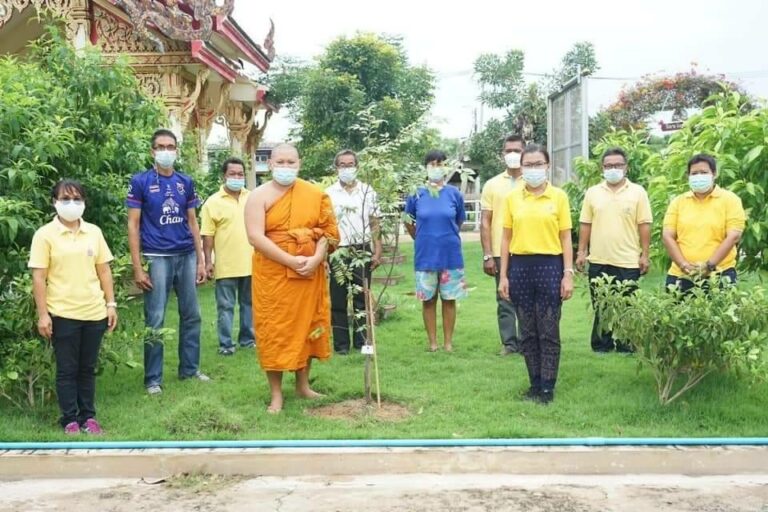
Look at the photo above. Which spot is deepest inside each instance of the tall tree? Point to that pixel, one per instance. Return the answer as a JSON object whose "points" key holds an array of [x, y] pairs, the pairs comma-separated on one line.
{"points": [[367, 71], [503, 87]]}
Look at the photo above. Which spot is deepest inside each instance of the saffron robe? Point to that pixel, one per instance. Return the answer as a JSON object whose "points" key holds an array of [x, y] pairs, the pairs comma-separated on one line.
{"points": [[292, 314]]}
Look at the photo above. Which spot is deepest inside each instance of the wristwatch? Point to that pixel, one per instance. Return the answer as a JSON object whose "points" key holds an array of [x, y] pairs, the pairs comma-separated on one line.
{"points": [[486, 257], [112, 304]]}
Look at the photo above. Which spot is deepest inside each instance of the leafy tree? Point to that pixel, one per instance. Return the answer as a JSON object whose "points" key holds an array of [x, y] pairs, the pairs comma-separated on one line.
{"points": [[652, 94], [62, 114], [524, 104], [727, 128], [366, 72]]}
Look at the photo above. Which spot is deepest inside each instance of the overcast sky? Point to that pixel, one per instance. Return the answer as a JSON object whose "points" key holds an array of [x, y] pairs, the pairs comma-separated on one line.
{"points": [[631, 39]]}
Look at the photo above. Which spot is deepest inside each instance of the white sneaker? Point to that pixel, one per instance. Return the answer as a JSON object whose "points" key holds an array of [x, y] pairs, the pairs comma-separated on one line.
{"points": [[201, 377], [154, 390]]}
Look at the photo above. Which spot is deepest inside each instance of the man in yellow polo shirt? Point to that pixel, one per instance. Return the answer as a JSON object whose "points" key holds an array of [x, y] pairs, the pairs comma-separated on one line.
{"points": [[492, 199], [702, 227], [615, 234], [223, 232]]}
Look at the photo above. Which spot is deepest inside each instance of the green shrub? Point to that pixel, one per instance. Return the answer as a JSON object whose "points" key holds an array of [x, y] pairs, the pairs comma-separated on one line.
{"points": [[682, 338]]}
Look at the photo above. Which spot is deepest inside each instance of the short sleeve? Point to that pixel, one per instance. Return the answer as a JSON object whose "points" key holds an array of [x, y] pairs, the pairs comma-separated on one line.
{"points": [[135, 197], [644, 214], [507, 213], [670, 218], [564, 212], [373, 203], [40, 251], [411, 206], [103, 255], [735, 218], [192, 200], [327, 221], [461, 214], [207, 225], [586, 209], [486, 198]]}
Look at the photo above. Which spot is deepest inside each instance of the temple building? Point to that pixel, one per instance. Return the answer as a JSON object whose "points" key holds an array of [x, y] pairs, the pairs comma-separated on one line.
{"points": [[190, 53]]}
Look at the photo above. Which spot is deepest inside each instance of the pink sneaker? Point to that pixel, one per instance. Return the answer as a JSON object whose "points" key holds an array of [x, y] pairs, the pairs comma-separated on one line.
{"points": [[92, 427], [72, 428]]}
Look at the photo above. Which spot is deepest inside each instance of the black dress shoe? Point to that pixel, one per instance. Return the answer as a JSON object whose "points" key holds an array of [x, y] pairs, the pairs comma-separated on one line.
{"points": [[546, 396], [532, 394]]}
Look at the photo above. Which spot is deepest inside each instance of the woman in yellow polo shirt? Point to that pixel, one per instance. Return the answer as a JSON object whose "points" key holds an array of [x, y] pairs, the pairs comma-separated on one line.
{"points": [[538, 263], [702, 227], [75, 300]]}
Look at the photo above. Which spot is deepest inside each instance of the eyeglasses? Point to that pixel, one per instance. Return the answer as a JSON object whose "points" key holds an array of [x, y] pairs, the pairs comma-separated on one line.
{"points": [[66, 200], [614, 166], [536, 165], [168, 147], [346, 166]]}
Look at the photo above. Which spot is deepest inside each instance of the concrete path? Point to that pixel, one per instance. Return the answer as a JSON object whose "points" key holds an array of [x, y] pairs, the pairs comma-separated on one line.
{"points": [[390, 493]]}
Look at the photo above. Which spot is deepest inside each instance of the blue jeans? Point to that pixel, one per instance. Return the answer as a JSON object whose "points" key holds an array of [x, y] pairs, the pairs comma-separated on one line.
{"points": [[229, 290], [178, 273]]}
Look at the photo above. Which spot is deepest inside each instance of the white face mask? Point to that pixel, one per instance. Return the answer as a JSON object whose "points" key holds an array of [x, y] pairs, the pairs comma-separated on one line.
{"points": [[165, 158], [512, 160], [347, 175], [70, 211], [534, 177]]}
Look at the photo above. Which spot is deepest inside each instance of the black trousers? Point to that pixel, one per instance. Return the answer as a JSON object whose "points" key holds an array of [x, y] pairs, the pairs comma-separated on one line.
{"points": [[604, 341], [340, 315], [76, 344], [507, 319], [686, 285]]}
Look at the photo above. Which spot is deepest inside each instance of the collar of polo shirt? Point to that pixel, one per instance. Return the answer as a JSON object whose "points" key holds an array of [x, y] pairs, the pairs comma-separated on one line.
{"points": [[716, 192], [547, 191]]}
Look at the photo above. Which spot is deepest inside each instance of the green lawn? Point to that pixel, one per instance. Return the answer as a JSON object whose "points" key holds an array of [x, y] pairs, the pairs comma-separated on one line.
{"points": [[471, 393]]}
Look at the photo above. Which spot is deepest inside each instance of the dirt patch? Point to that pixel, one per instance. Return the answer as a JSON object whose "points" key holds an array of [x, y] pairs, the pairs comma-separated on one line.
{"points": [[357, 409]]}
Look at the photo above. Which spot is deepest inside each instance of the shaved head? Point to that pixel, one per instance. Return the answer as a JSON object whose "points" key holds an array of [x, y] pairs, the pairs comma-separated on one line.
{"points": [[284, 148], [284, 155]]}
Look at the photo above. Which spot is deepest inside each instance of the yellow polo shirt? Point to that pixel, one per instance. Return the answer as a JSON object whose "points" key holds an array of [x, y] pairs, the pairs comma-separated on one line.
{"points": [[223, 218], [494, 194], [536, 221], [615, 216], [73, 288], [701, 225]]}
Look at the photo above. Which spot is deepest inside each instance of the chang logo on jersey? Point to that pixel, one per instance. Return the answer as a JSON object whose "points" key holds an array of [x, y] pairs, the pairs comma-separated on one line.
{"points": [[170, 213]]}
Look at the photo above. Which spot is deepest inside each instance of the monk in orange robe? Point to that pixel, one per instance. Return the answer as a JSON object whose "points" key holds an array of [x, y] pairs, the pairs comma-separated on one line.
{"points": [[291, 225]]}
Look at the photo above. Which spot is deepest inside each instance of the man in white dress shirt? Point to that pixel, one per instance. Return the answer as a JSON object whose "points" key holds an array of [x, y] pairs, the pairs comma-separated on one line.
{"points": [[355, 205]]}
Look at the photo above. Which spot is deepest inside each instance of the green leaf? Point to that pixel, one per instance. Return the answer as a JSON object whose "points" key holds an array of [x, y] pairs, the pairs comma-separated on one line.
{"points": [[753, 154]]}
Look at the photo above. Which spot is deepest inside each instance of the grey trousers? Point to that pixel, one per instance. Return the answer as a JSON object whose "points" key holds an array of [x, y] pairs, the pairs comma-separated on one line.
{"points": [[505, 313]]}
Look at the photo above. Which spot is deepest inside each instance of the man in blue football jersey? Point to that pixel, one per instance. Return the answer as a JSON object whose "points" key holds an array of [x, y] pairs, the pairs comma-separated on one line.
{"points": [[163, 229]]}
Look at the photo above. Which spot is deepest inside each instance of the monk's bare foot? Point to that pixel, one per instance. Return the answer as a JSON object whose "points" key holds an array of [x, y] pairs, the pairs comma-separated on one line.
{"points": [[275, 406], [448, 347], [432, 348], [308, 394]]}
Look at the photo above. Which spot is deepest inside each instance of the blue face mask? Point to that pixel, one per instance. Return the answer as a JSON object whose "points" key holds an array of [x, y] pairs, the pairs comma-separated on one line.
{"points": [[285, 176], [613, 176], [534, 177], [165, 158], [435, 174], [700, 182], [235, 184]]}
